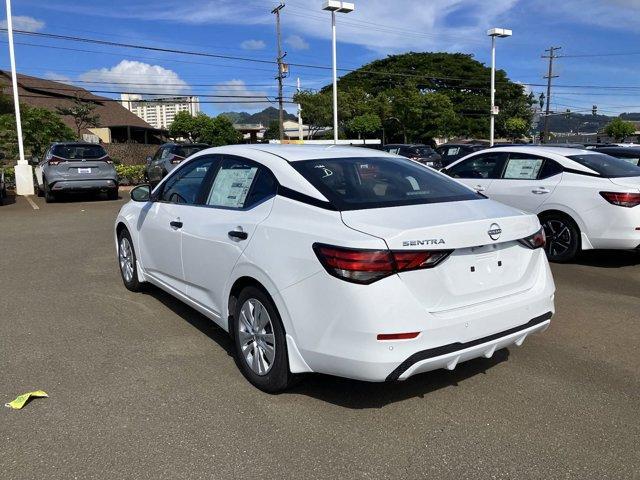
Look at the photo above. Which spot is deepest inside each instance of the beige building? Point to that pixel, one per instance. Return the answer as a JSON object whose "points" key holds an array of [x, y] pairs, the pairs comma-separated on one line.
{"points": [[159, 111]]}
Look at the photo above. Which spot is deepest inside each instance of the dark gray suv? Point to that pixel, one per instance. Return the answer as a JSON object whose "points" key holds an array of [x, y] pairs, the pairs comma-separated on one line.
{"points": [[168, 157], [73, 167]]}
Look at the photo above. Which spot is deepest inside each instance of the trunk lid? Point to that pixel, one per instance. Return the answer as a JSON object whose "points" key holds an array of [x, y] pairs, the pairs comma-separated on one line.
{"points": [[487, 261], [628, 182]]}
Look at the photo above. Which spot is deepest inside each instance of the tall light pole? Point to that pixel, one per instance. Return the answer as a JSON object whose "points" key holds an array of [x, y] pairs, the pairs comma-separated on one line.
{"points": [[23, 171], [493, 33], [336, 6]]}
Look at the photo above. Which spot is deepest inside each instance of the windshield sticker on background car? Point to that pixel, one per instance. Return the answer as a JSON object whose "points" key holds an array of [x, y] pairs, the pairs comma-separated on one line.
{"points": [[523, 168]]}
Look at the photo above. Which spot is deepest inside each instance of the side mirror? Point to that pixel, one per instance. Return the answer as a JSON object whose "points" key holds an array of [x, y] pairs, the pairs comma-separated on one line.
{"points": [[149, 160], [141, 193], [35, 161]]}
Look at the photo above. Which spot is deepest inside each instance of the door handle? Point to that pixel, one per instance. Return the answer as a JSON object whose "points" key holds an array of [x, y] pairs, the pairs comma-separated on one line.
{"points": [[480, 188], [176, 224], [239, 234], [540, 191]]}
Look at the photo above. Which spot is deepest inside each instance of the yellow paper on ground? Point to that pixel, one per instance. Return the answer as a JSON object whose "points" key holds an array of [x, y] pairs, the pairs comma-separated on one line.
{"points": [[21, 400]]}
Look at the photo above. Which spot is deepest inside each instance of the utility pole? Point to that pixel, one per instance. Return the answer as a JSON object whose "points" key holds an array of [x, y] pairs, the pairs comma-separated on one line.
{"points": [[549, 76], [300, 133], [280, 76]]}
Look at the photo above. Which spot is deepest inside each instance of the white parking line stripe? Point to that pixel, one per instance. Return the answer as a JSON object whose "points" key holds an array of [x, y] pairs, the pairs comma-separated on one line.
{"points": [[32, 203]]}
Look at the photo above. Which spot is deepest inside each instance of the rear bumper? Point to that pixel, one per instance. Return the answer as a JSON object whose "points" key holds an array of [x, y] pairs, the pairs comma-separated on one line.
{"points": [[448, 356], [83, 185], [335, 325]]}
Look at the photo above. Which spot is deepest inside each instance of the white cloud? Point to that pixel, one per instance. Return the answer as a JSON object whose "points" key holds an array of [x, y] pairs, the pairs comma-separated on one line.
{"points": [[296, 42], [28, 24], [140, 78], [612, 14], [56, 77], [243, 99], [253, 45]]}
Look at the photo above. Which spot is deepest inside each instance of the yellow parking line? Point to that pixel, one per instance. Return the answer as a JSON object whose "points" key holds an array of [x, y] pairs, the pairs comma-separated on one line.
{"points": [[32, 203]]}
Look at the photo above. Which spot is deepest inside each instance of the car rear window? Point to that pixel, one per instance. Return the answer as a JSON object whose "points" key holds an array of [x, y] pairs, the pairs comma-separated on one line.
{"points": [[186, 151], [78, 152], [361, 183], [606, 165]]}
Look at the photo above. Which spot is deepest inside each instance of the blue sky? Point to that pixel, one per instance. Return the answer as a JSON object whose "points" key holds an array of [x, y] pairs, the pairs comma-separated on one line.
{"points": [[377, 28]]}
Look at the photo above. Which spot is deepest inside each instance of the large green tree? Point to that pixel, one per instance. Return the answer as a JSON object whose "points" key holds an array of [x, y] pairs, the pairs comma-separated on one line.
{"points": [[619, 129], [460, 77], [316, 110], [215, 131], [40, 127]]}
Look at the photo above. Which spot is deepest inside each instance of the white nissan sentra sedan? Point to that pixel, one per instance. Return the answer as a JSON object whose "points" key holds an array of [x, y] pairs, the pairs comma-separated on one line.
{"points": [[584, 199], [338, 260]]}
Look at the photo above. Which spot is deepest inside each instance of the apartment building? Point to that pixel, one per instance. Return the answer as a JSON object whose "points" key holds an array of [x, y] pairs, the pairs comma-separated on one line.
{"points": [[159, 111]]}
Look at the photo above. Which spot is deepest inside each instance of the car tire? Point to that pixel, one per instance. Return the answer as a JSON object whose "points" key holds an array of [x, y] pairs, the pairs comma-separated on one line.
{"points": [[563, 237], [112, 194], [255, 335], [39, 191], [127, 261], [49, 196]]}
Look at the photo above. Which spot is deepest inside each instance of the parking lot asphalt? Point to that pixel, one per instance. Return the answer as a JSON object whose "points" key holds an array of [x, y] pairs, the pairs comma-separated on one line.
{"points": [[142, 386]]}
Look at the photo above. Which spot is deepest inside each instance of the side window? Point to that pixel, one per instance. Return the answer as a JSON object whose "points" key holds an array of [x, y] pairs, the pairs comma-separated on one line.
{"points": [[522, 166], [158, 154], [239, 184], [549, 169], [166, 153], [486, 166], [393, 150], [185, 185]]}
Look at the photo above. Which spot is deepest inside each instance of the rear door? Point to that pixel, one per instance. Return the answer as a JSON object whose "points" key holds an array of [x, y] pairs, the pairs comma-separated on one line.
{"points": [[215, 234], [527, 181], [479, 171], [161, 225]]}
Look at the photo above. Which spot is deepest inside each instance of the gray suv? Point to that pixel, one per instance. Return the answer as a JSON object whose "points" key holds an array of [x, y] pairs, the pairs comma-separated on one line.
{"points": [[73, 167], [168, 157]]}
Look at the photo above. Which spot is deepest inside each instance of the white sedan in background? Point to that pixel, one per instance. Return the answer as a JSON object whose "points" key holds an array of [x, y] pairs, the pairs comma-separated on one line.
{"points": [[338, 260], [584, 199]]}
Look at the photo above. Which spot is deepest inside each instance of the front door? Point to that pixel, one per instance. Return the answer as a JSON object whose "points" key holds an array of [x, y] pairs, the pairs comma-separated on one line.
{"points": [[479, 171], [161, 224]]}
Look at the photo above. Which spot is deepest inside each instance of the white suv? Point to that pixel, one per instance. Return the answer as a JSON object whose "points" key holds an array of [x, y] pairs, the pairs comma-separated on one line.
{"points": [[584, 199], [338, 260]]}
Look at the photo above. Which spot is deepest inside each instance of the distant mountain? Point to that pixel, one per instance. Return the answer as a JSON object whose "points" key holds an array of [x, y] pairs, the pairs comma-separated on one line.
{"points": [[265, 117]]}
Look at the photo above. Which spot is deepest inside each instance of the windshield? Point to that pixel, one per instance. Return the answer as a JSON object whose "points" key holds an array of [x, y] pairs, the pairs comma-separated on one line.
{"points": [[78, 152], [606, 165], [423, 151], [359, 183], [186, 151]]}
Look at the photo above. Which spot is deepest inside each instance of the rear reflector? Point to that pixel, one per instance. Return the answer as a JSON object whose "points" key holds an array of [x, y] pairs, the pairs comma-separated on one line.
{"points": [[367, 266], [622, 199], [537, 240], [397, 336]]}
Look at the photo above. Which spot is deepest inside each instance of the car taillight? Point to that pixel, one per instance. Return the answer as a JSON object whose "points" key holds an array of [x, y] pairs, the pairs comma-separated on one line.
{"points": [[622, 199], [537, 240], [176, 159], [56, 161], [368, 266], [107, 159]]}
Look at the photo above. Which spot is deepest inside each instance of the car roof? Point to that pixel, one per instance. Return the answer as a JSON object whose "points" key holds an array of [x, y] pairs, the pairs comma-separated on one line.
{"points": [[614, 148], [296, 153], [78, 144], [563, 151]]}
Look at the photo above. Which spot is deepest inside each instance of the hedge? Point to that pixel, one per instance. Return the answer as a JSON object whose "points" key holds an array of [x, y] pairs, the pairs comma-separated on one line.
{"points": [[130, 174]]}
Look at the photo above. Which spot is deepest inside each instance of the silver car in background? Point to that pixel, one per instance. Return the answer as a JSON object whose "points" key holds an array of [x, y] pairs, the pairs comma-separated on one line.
{"points": [[75, 167]]}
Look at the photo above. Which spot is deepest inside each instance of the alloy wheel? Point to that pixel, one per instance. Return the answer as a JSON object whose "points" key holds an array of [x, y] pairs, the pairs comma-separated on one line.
{"points": [[256, 337], [126, 259], [559, 238]]}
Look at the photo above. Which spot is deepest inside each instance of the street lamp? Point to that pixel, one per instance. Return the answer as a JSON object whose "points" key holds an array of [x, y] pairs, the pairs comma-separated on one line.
{"points": [[493, 33], [334, 6], [23, 171]]}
